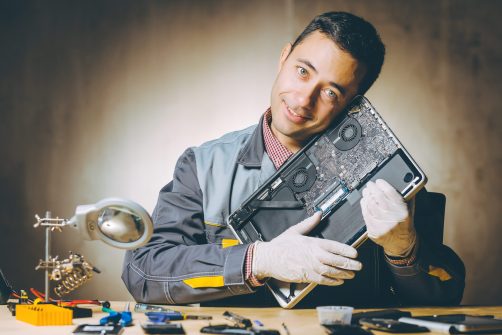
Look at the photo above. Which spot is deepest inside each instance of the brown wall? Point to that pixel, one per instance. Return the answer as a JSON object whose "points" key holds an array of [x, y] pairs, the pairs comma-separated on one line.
{"points": [[99, 98]]}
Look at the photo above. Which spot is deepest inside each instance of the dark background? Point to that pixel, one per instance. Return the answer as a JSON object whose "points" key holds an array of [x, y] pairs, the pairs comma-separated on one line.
{"points": [[99, 98]]}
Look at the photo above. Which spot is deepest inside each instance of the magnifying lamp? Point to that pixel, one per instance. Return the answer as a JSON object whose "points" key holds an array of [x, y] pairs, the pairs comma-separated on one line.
{"points": [[118, 222]]}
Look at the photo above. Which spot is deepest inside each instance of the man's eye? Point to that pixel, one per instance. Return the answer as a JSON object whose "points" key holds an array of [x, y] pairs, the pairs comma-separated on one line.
{"points": [[330, 93], [302, 71]]}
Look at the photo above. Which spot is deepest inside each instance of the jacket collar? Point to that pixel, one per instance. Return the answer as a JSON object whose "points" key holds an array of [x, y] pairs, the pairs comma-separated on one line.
{"points": [[251, 154]]}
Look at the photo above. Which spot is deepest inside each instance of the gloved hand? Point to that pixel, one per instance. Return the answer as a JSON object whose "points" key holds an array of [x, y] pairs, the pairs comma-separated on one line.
{"points": [[293, 257], [387, 219]]}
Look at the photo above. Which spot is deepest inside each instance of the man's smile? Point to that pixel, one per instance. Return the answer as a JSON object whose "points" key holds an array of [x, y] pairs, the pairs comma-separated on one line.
{"points": [[294, 116]]}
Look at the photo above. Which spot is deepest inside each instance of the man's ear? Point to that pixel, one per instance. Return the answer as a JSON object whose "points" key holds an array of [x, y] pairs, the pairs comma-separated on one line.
{"points": [[284, 54]]}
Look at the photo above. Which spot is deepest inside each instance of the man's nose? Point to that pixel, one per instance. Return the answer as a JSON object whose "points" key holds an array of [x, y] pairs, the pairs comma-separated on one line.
{"points": [[306, 97]]}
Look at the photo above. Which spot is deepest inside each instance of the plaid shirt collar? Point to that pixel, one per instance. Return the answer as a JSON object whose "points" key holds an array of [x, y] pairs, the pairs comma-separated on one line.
{"points": [[277, 152]]}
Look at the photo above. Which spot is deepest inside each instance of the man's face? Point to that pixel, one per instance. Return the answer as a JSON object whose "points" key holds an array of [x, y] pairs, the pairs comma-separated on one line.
{"points": [[315, 82]]}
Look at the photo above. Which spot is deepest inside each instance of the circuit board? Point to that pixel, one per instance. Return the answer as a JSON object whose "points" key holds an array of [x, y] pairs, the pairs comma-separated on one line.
{"points": [[347, 168]]}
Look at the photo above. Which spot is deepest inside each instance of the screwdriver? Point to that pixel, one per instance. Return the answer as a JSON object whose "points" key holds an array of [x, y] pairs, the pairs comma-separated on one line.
{"points": [[142, 308], [173, 315]]}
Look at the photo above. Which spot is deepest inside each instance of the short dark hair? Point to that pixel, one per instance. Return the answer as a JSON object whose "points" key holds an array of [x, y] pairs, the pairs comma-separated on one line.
{"points": [[353, 34]]}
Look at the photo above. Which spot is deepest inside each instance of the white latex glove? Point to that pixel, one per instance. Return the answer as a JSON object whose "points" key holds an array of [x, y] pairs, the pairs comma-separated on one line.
{"points": [[387, 219], [293, 257]]}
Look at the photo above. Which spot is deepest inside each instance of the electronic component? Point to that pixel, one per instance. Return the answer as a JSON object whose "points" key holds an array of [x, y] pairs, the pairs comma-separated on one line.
{"points": [[241, 326], [236, 330], [89, 329], [162, 328], [142, 308], [383, 314], [346, 330], [392, 326], [79, 312]]}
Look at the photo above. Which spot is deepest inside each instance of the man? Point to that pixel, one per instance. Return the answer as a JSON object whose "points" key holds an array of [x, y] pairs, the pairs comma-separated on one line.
{"points": [[193, 256]]}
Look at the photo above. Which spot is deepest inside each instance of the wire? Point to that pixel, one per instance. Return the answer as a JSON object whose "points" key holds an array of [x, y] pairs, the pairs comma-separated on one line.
{"points": [[61, 302], [80, 302], [37, 293], [18, 296]]}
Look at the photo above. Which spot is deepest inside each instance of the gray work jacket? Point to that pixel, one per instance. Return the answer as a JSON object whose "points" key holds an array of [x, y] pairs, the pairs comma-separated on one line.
{"points": [[193, 256]]}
